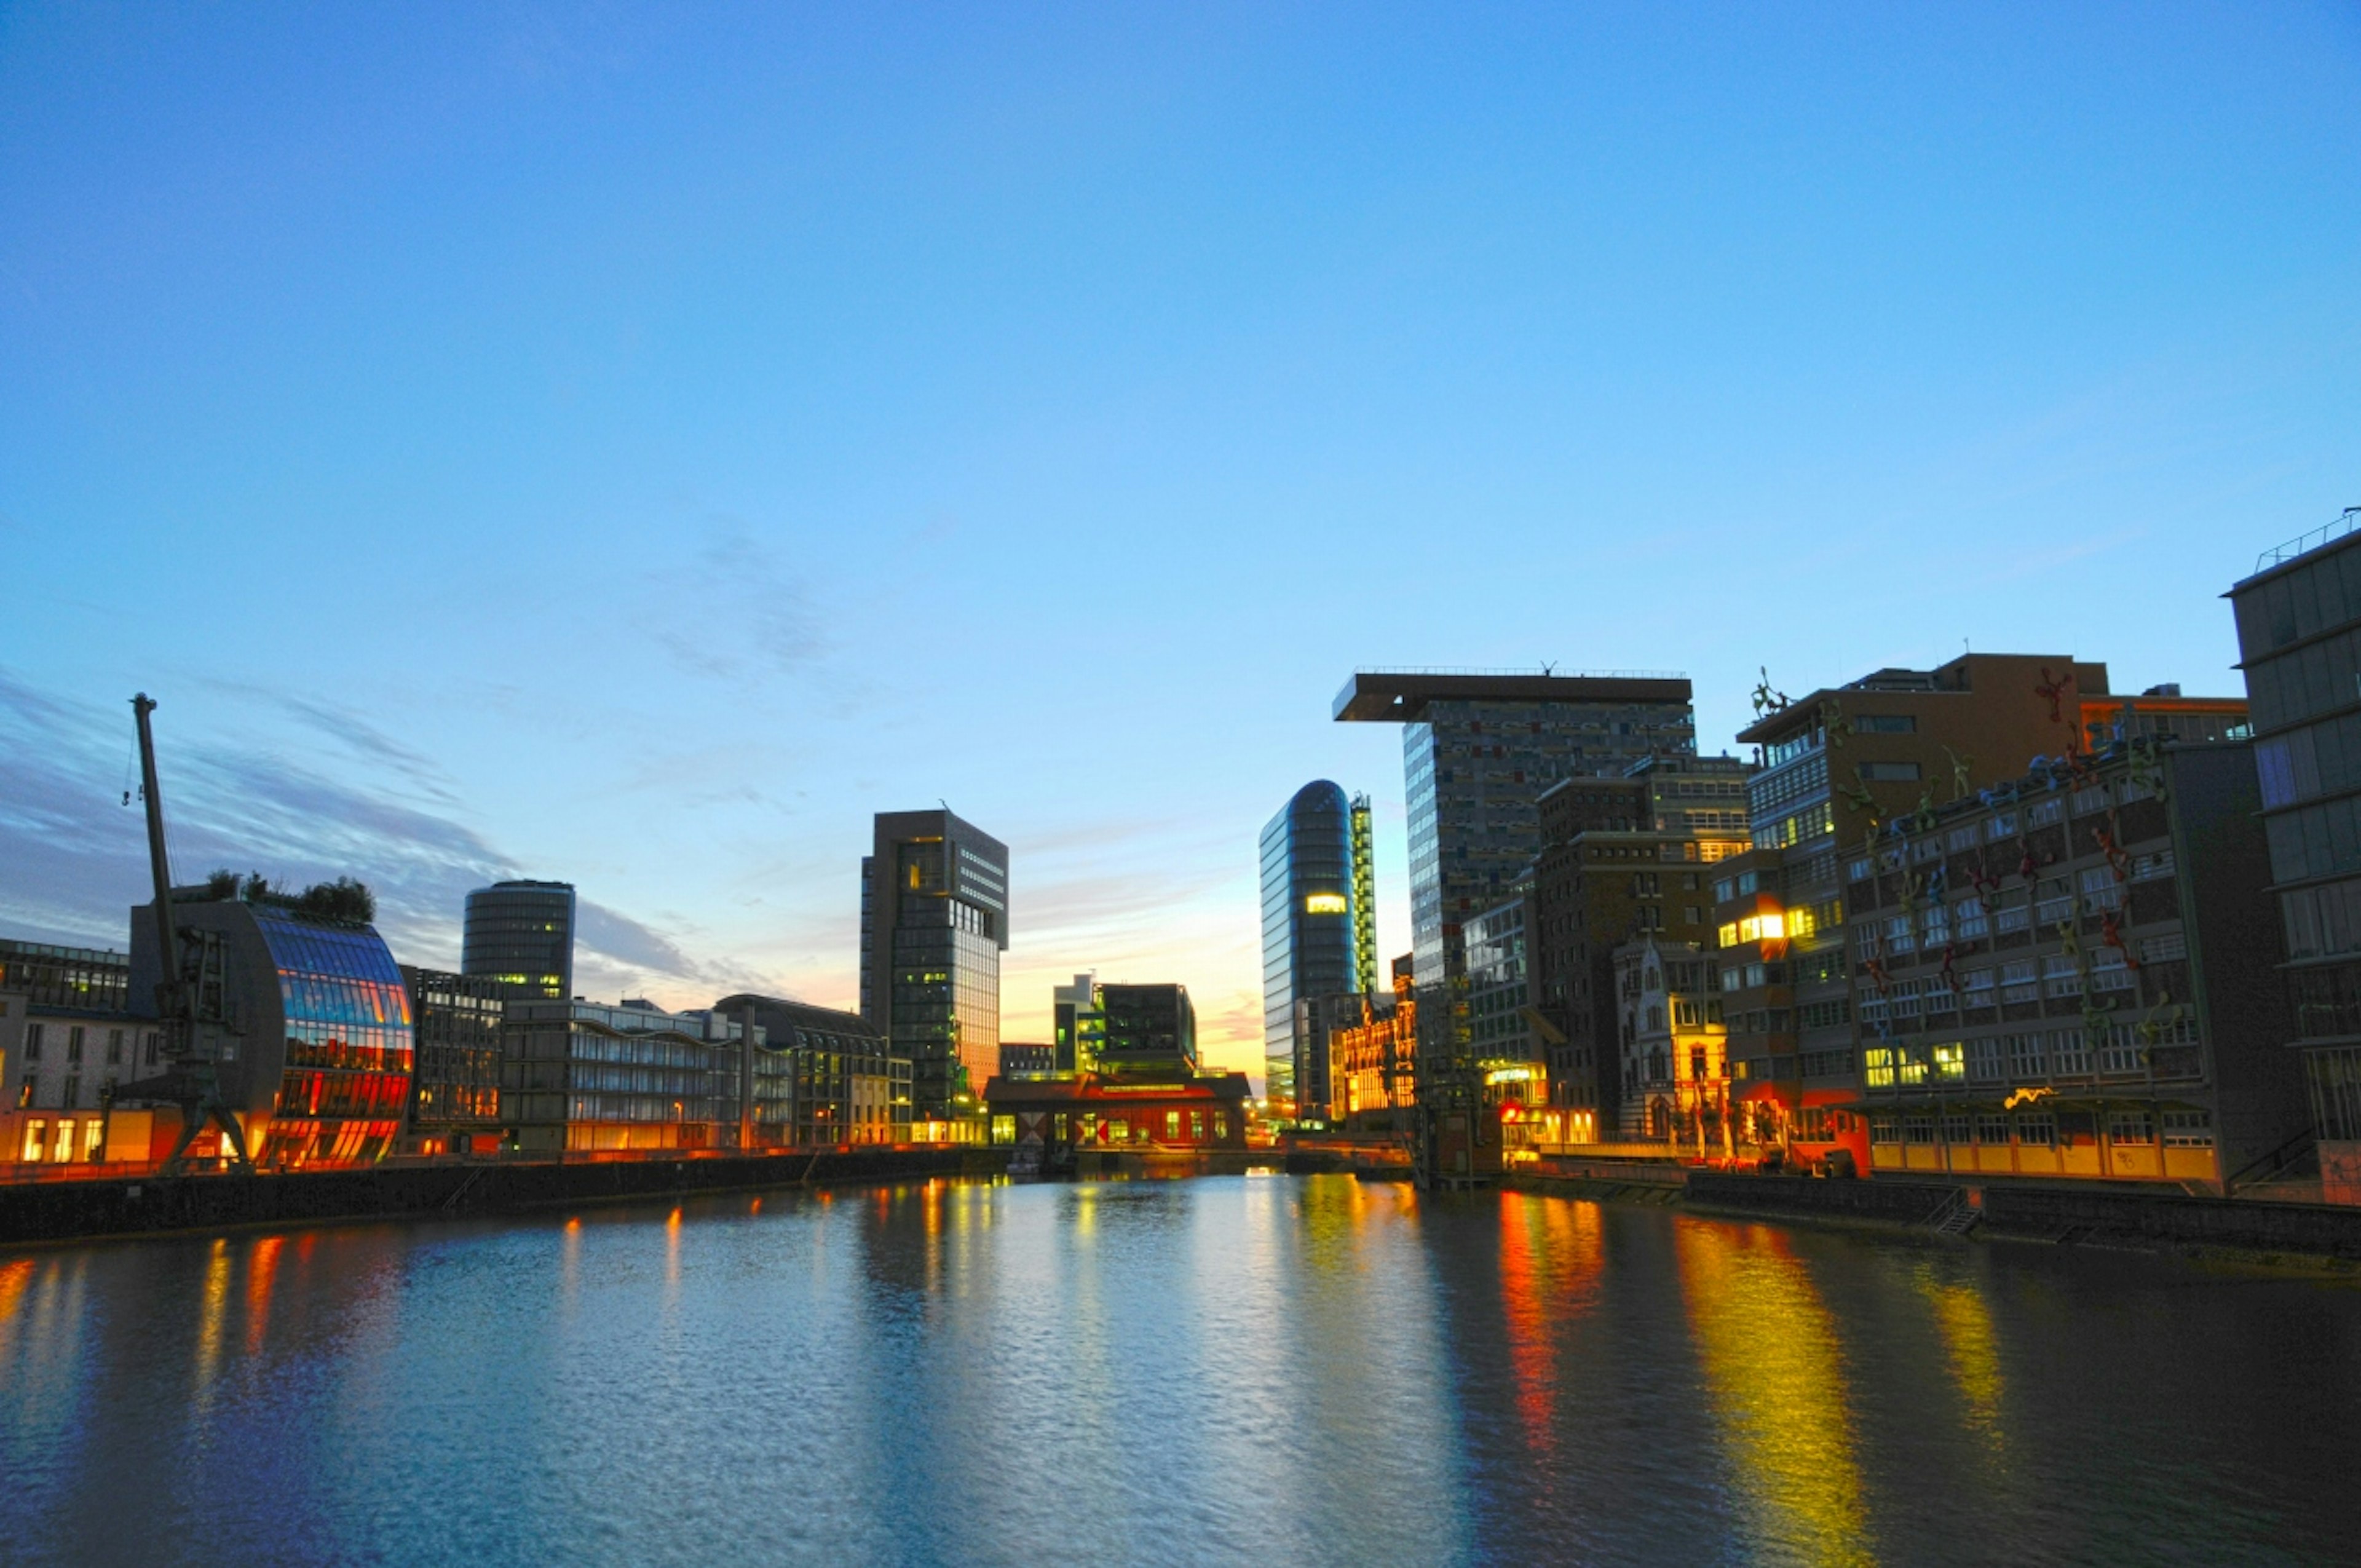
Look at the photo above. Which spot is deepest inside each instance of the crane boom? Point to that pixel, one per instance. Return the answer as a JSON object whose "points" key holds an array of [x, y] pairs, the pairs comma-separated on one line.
{"points": [[160, 868]]}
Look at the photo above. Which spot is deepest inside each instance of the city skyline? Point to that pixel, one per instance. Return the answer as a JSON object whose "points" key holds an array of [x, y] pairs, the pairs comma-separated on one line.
{"points": [[583, 450]]}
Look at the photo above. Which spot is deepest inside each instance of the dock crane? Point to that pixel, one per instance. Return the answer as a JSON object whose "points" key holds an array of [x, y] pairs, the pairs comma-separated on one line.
{"points": [[191, 1004]]}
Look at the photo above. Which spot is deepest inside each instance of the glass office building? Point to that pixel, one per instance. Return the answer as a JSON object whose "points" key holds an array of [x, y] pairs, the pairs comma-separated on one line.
{"points": [[521, 934], [1315, 879], [315, 1054], [1478, 751], [2299, 644], [934, 921]]}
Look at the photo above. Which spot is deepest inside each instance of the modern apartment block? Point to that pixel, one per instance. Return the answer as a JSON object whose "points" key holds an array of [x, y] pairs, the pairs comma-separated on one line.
{"points": [[521, 934], [2073, 974], [1316, 888], [454, 1093], [1623, 858], [1479, 749], [844, 1085], [2299, 644], [585, 1076], [934, 921], [1150, 1029], [1839, 766]]}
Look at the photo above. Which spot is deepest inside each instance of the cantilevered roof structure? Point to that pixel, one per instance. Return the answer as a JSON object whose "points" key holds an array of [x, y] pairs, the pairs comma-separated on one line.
{"points": [[1399, 697]]}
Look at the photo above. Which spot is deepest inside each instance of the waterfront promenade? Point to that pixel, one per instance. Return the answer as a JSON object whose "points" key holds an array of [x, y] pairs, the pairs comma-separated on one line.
{"points": [[1257, 1369]]}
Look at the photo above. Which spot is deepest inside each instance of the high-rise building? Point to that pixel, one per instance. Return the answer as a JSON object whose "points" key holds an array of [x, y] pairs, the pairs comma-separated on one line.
{"points": [[521, 934], [1365, 900], [1478, 751], [2300, 645], [1314, 874], [934, 921]]}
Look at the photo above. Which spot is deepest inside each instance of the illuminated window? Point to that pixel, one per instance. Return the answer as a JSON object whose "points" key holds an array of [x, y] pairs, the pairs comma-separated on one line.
{"points": [[1221, 1124], [1877, 1067], [1326, 904], [1951, 1064]]}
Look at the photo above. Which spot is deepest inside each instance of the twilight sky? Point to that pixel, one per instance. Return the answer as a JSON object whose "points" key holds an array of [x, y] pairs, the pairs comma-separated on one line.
{"points": [[632, 445]]}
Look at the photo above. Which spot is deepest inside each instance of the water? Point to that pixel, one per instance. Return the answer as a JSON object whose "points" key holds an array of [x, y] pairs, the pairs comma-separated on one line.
{"points": [[1290, 1371]]}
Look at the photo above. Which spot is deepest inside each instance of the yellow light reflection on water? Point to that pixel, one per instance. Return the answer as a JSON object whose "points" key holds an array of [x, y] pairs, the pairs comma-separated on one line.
{"points": [[1971, 1347], [1774, 1373], [213, 1303], [261, 1264]]}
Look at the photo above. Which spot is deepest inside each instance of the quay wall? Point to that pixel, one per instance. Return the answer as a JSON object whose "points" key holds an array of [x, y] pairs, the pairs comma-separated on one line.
{"points": [[70, 1211], [2152, 1220]]}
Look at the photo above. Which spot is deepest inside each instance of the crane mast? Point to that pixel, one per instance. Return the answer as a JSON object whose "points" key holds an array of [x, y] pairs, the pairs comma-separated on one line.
{"points": [[191, 1080]]}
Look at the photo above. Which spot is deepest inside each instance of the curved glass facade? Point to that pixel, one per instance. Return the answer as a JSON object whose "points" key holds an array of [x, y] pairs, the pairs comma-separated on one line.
{"points": [[1310, 949], [345, 1015]]}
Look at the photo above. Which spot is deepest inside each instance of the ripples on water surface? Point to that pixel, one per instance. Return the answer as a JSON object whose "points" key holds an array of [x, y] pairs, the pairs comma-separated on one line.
{"points": [[1223, 1370]]}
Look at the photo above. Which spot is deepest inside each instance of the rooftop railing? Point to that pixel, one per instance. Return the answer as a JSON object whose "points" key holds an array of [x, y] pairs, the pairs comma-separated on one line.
{"points": [[1525, 670], [2346, 521]]}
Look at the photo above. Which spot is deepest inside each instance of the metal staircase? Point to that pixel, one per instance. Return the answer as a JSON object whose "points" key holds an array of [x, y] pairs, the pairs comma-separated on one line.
{"points": [[1954, 1216]]}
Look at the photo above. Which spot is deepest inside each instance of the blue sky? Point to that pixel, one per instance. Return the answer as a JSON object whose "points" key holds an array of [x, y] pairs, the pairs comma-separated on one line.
{"points": [[633, 444]]}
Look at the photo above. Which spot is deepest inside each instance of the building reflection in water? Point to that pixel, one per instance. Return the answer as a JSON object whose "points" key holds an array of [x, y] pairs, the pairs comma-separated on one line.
{"points": [[261, 1266], [1549, 1280], [1774, 1374]]}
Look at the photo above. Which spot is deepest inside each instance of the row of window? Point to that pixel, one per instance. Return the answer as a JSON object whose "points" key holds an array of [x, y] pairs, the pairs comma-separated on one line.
{"points": [[77, 1038], [2038, 1129], [2115, 1049]]}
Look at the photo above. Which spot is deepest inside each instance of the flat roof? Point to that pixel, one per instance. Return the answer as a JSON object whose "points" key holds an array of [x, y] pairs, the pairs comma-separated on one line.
{"points": [[1399, 697]]}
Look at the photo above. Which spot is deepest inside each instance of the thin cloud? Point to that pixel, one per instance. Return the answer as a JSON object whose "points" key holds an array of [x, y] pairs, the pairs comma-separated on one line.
{"points": [[73, 857]]}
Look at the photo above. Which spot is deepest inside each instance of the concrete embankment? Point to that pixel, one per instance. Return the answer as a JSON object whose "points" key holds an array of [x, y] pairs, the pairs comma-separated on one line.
{"points": [[70, 1211], [2147, 1220]]}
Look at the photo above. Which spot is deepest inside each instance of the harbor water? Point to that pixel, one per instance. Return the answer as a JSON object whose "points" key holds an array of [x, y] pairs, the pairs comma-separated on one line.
{"points": [[1263, 1369]]}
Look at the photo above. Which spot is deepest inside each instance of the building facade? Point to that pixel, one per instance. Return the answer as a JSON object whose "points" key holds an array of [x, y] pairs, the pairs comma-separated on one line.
{"points": [[521, 935], [934, 921], [1838, 766], [1674, 1068], [847, 1086], [307, 1025], [1372, 1058], [455, 1096], [65, 1045], [1313, 882], [2300, 645], [1150, 1029], [1626, 858], [1077, 1026], [2073, 974], [1063, 1118], [586, 1077], [1478, 750]]}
